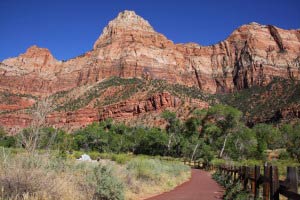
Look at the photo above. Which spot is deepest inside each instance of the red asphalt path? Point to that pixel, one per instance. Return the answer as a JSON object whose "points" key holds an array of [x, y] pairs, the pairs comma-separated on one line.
{"points": [[200, 187]]}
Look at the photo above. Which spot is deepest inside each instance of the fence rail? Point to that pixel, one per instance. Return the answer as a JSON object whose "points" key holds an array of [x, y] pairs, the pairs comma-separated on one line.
{"points": [[198, 164], [272, 187]]}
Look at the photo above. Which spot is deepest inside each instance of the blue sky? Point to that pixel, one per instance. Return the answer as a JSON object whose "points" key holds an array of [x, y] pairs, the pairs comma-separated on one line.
{"points": [[70, 27]]}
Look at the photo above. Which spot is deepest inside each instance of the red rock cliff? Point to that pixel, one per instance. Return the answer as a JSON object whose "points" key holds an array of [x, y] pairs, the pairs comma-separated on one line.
{"points": [[129, 47]]}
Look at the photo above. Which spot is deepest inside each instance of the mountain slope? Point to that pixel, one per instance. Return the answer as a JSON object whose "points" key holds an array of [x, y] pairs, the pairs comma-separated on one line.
{"points": [[129, 48]]}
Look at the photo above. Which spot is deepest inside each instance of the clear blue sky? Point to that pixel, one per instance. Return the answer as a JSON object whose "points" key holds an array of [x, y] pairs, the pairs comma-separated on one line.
{"points": [[69, 27]]}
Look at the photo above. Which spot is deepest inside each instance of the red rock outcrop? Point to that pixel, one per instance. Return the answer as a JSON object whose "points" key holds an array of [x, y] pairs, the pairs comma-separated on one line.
{"points": [[129, 109], [14, 122], [15, 103], [129, 47], [124, 110]]}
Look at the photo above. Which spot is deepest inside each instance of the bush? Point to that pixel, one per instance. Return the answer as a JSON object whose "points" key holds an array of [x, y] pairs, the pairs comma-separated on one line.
{"points": [[154, 170], [77, 154], [120, 158], [234, 190], [105, 155], [6, 140], [94, 155], [30, 177], [107, 186], [284, 155]]}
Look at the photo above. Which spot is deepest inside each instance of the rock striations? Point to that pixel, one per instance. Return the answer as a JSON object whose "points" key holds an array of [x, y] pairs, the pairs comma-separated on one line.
{"points": [[130, 48]]}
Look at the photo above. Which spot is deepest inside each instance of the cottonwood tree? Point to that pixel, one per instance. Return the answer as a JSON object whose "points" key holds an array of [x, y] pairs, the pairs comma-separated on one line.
{"points": [[29, 138], [242, 143], [194, 130], [291, 134], [268, 137], [173, 128], [226, 119]]}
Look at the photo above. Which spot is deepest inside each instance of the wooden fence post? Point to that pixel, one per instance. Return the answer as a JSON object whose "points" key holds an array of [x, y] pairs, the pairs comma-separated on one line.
{"points": [[266, 190], [246, 178], [231, 174], [256, 177], [235, 174], [274, 183], [292, 179], [240, 173]]}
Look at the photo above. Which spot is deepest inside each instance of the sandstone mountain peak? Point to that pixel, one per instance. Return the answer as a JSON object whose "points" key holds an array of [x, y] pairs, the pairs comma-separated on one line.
{"points": [[254, 24], [126, 21], [130, 20], [34, 58], [35, 51]]}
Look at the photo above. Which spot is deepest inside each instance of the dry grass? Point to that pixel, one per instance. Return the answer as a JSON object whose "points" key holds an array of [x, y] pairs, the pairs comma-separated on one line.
{"points": [[34, 177], [148, 177], [46, 177]]}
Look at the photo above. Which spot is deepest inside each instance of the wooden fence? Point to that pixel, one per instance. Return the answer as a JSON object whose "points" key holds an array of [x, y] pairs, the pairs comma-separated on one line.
{"points": [[253, 179], [198, 165]]}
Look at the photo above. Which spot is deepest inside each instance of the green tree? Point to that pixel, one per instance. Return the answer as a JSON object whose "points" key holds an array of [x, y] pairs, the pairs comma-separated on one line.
{"points": [[267, 136], [154, 142], [173, 129], [194, 128], [226, 119], [292, 137], [6, 140], [242, 143]]}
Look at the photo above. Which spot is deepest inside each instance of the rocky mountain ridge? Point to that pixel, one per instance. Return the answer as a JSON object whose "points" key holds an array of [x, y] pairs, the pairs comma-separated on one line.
{"points": [[128, 48]]}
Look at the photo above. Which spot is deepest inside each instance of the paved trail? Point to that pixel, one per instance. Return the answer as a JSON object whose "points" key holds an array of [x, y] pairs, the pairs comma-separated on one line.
{"points": [[200, 187]]}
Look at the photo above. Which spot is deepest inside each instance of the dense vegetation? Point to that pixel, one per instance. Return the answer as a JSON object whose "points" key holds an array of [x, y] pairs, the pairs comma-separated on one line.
{"points": [[215, 132]]}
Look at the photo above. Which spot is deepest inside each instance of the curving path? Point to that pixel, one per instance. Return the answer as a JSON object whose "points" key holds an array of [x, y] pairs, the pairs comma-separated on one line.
{"points": [[200, 187]]}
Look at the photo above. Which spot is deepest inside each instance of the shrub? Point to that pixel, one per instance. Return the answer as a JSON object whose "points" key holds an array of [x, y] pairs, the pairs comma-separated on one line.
{"points": [[77, 154], [234, 190], [32, 177], [120, 158], [105, 155], [107, 186], [6, 140], [284, 155], [154, 170], [94, 155]]}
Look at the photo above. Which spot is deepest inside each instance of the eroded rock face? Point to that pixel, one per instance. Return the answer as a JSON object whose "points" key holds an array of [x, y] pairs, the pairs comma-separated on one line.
{"points": [[129, 47], [130, 109], [123, 110], [35, 59]]}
